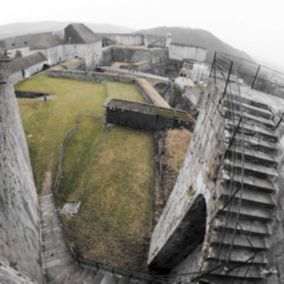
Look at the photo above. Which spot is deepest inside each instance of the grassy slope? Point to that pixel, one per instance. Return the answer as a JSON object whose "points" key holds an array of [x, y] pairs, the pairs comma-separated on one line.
{"points": [[172, 148], [109, 170], [49, 122]]}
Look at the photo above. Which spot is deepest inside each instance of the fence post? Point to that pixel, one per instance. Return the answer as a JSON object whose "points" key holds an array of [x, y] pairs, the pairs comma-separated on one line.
{"points": [[255, 76], [213, 64], [228, 78]]}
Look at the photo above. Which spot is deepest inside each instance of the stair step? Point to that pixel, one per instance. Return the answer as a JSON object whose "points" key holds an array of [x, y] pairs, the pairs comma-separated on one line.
{"points": [[254, 156], [255, 143], [232, 271], [226, 280], [260, 121], [246, 227], [58, 262], [248, 101], [251, 169], [251, 197], [46, 198], [252, 130], [254, 110], [248, 212], [237, 255], [250, 182], [90, 278], [228, 239]]}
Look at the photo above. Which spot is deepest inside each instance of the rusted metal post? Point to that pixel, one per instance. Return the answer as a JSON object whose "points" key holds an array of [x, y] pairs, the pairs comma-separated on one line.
{"points": [[255, 76], [228, 78]]}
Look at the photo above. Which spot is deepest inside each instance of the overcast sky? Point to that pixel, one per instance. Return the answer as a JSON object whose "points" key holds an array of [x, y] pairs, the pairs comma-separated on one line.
{"points": [[250, 25]]}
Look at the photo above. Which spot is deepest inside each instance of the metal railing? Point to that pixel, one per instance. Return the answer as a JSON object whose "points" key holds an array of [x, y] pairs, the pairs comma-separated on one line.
{"points": [[259, 77], [225, 74]]}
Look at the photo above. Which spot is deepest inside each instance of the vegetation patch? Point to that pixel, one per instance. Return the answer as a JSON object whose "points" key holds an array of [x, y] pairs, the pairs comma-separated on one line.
{"points": [[171, 150], [108, 169]]}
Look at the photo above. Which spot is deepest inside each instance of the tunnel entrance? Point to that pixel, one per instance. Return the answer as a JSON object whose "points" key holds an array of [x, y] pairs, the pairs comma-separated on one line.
{"points": [[187, 236], [45, 67]]}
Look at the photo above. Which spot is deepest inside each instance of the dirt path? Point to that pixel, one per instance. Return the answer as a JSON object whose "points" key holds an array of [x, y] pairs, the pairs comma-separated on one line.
{"points": [[47, 184]]}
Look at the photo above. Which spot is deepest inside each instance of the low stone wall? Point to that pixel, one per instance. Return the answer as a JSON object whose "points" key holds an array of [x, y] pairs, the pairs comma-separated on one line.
{"points": [[146, 90], [90, 76], [150, 94], [71, 64], [141, 66], [145, 116], [30, 95]]}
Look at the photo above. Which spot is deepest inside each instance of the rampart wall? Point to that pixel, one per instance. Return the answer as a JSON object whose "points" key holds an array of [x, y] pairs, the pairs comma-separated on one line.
{"points": [[195, 179], [19, 214]]}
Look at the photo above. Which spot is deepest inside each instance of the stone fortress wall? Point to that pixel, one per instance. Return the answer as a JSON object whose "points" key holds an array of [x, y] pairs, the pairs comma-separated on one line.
{"points": [[19, 214], [194, 181]]}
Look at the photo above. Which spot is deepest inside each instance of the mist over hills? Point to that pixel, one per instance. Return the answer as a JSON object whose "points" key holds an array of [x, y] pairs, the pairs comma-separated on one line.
{"points": [[52, 26], [189, 36], [198, 37]]}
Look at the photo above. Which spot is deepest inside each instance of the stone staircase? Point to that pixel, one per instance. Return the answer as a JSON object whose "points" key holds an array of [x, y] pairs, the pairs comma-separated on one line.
{"points": [[58, 263], [240, 233]]}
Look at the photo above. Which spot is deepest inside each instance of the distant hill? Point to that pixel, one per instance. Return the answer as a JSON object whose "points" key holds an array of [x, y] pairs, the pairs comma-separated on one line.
{"points": [[198, 37], [51, 26]]}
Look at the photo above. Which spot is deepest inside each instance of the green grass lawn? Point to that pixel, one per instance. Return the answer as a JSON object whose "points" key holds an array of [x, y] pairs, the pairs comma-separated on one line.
{"points": [[110, 170]]}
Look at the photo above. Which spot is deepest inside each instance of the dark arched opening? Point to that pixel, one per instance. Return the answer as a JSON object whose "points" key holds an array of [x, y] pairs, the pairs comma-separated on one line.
{"points": [[45, 67], [161, 87], [188, 235]]}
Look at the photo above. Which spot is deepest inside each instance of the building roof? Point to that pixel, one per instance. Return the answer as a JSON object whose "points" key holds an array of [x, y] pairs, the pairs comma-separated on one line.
{"points": [[47, 41], [21, 63], [79, 34], [34, 41]]}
